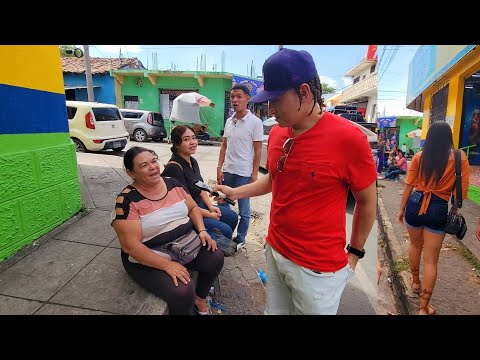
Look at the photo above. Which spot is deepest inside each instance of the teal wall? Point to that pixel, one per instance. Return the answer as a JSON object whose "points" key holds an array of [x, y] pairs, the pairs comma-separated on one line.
{"points": [[149, 96]]}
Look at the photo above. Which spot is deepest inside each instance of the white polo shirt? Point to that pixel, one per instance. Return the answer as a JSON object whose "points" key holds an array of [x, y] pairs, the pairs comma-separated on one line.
{"points": [[240, 134]]}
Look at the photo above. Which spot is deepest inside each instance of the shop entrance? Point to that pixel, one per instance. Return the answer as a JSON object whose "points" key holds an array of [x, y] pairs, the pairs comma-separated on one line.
{"points": [[469, 133]]}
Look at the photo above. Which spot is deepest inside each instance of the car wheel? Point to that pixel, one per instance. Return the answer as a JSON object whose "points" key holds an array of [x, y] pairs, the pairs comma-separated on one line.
{"points": [[78, 52], [140, 135], [79, 147]]}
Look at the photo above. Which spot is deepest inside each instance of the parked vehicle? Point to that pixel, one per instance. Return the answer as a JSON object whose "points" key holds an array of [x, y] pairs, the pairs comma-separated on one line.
{"points": [[143, 124], [96, 126], [341, 109], [355, 117], [270, 122]]}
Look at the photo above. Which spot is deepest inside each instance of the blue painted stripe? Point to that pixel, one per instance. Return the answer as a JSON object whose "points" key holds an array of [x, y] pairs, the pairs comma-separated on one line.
{"points": [[27, 111]]}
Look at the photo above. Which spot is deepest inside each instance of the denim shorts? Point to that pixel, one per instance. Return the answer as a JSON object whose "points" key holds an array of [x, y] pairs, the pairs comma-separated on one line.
{"points": [[434, 220]]}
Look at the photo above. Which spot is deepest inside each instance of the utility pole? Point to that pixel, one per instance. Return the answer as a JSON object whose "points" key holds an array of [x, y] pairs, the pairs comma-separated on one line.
{"points": [[88, 73]]}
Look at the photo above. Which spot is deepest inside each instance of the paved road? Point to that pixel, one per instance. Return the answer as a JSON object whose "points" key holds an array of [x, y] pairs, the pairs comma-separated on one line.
{"points": [[360, 296]]}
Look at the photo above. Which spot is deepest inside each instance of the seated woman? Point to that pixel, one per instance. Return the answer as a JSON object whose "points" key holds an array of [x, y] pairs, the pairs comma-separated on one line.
{"points": [[202, 133], [399, 167], [183, 167], [152, 217]]}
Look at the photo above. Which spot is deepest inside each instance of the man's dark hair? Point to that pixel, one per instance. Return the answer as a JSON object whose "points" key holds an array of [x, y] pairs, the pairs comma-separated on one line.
{"points": [[242, 87], [436, 151], [132, 153], [316, 89]]}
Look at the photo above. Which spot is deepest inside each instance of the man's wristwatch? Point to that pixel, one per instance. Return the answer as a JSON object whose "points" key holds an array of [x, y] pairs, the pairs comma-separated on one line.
{"points": [[359, 253]]}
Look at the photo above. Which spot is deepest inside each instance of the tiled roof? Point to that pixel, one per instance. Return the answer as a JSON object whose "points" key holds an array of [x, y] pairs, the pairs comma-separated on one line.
{"points": [[99, 65]]}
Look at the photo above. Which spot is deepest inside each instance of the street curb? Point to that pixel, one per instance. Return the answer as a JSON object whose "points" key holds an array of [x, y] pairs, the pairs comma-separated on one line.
{"points": [[393, 250]]}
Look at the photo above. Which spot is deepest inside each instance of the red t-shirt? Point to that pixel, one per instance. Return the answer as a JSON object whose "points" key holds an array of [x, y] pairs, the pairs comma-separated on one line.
{"points": [[308, 211]]}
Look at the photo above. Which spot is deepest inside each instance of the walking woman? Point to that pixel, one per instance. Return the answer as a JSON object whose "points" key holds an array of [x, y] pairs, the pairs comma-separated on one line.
{"points": [[381, 154], [432, 174]]}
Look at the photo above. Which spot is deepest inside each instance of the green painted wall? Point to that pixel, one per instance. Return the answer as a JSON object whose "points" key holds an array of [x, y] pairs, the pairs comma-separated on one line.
{"points": [[39, 187], [149, 96], [407, 124], [474, 193]]}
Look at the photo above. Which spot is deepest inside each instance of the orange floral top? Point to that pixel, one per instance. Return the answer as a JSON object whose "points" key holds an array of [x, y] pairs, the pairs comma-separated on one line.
{"points": [[444, 187]]}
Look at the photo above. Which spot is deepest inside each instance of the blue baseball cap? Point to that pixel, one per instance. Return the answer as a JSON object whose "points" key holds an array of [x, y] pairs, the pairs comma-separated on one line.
{"points": [[285, 70]]}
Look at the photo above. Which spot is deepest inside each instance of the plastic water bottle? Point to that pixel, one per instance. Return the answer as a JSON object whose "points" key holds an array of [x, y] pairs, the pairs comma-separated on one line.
{"points": [[262, 276]]}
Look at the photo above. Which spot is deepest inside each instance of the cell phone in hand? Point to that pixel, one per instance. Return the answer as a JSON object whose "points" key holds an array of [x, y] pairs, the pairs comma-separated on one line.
{"points": [[202, 186]]}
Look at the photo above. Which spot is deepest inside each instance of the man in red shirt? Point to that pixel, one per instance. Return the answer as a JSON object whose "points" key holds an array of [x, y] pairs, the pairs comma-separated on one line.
{"points": [[309, 177]]}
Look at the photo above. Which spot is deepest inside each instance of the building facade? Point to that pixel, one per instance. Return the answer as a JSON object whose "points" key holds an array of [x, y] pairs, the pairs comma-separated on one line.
{"points": [[444, 84], [156, 90], [103, 85], [39, 187], [363, 92]]}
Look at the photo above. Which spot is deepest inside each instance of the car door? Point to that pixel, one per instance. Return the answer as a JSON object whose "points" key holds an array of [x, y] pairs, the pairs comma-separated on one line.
{"points": [[130, 118]]}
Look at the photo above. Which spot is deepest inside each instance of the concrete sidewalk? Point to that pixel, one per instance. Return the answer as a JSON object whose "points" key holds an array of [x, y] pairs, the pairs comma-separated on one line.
{"points": [[457, 290], [76, 268]]}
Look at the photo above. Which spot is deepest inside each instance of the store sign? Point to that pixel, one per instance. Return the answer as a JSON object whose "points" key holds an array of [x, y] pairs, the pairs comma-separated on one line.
{"points": [[384, 122], [254, 86], [372, 52], [429, 63]]}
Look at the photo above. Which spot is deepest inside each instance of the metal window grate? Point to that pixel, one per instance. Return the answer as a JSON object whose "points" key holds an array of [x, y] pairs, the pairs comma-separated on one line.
{"points": [[438, 108]]}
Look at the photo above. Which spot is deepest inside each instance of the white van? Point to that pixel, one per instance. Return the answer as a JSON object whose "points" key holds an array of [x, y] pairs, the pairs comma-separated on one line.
{"points": [[96, 126]]}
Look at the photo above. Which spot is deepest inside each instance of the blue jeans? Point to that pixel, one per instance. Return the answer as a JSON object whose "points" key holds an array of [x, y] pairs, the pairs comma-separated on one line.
{"points": [[394, 174], [227, 223], [234, 181]]}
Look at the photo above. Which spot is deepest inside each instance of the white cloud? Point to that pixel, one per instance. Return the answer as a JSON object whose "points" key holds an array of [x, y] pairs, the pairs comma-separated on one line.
{"points": [[347, 81], [328, 80], [336, 84], [115, 49], [395, 107]]}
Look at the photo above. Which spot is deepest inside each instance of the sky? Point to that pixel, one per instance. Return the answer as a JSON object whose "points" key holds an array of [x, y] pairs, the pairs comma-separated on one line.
{"points": [[393, 65], [332, 61]]}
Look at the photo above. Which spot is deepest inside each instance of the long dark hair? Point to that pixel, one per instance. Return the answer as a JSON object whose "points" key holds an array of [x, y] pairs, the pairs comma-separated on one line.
{"points": [[436, 151], [176, 136]]}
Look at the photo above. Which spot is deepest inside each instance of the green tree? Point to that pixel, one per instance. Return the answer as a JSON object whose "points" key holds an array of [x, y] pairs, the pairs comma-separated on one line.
{"points": [[326, 89]]}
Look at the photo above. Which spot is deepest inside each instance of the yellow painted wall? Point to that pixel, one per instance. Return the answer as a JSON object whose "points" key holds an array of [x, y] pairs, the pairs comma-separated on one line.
{"points": [[455, 77], [34, 67]]}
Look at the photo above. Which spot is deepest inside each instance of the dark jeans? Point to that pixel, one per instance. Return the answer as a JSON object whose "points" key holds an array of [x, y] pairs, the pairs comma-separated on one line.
{"points": [[181, 298], [393, 174]]}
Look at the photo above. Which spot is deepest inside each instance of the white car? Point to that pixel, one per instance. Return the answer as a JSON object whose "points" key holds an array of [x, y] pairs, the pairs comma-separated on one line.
{"points": [[96, 126], [270, 122]]}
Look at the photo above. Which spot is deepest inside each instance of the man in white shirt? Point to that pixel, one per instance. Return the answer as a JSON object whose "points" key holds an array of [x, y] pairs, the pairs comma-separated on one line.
{"points": [[240, 153]]}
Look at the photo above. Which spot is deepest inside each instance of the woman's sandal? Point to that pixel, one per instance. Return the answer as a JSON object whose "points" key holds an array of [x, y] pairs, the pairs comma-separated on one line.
{"points": [[198, 312], [415, 276], [428, 308]]}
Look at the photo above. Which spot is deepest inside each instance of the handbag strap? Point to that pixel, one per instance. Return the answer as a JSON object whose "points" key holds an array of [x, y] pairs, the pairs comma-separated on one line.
{"points": [[458, 178], [176, 163]]}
